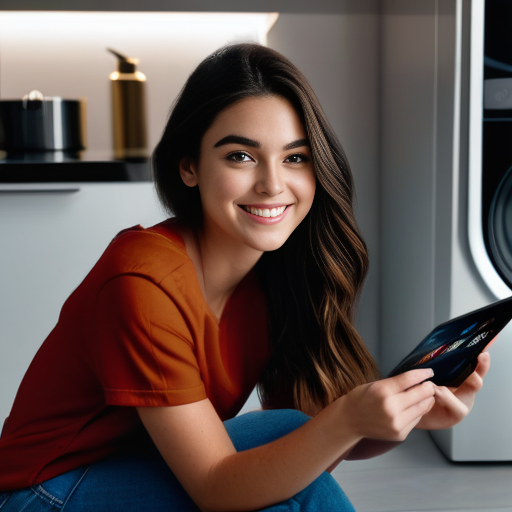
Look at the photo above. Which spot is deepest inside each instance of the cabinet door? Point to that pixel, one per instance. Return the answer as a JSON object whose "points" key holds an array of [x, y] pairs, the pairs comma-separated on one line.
{"points": [[50, 237]]}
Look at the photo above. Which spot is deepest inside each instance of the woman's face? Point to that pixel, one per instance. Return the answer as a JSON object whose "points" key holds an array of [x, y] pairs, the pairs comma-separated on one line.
{"points": [[254, 173]]}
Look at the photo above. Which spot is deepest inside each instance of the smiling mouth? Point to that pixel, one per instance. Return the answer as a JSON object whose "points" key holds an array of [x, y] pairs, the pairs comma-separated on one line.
{"points": [[265, 212]]}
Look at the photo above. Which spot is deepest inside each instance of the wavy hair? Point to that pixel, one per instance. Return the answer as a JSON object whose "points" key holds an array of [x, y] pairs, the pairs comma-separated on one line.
{"points": [[313, 282]]}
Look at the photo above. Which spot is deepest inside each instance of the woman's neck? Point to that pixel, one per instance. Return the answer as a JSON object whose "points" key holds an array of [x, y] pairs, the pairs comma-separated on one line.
{"points": [[220, 264]]}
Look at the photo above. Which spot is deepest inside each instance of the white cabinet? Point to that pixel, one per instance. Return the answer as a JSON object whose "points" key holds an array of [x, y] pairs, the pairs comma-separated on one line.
{"points": [[50, 237]]}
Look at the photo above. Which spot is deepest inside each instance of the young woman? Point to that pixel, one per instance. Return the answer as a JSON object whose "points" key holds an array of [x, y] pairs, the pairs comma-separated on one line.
{"points": [[130, 403]]}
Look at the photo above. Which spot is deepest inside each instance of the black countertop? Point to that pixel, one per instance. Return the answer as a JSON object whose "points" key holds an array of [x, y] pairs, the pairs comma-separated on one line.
{"points": [[62, 167]]}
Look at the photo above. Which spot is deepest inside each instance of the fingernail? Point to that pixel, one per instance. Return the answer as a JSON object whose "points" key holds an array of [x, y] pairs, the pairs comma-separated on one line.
{"points": [[431, 372]]}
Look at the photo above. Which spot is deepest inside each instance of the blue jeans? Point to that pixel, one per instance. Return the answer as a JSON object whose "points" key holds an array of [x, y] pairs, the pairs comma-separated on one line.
{"points": [[138, 482]]}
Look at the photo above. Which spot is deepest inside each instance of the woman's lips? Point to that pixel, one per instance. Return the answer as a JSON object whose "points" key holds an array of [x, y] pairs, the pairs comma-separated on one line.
{"points": [[263, 213]]}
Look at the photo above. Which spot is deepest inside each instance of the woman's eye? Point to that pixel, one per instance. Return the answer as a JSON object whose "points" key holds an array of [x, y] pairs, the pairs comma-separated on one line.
{"points": [[297, 158], [239, 157]]}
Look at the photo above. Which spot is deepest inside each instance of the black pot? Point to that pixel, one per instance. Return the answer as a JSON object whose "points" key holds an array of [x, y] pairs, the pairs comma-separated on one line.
{"points": [[38, 123]]}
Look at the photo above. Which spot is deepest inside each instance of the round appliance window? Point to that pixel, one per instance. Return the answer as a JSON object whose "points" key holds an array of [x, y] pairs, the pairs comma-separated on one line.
{"points": [[500, 227]]}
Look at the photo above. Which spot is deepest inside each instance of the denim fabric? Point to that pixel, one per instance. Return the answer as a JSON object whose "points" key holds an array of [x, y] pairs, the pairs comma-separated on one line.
{"points": [[145, 483]]}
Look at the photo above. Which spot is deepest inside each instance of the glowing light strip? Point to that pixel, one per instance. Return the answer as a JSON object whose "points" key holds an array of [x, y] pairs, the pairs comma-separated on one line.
{"points": [[49, 22]]}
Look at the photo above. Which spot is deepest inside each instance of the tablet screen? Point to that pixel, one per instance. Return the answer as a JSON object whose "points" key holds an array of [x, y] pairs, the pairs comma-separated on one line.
{"points": [[452, 348]]}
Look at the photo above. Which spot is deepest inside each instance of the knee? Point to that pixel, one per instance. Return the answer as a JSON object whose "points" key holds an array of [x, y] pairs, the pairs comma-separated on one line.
{"points": [[261, 427], [288, 419], [291, 417], [324, 495]]}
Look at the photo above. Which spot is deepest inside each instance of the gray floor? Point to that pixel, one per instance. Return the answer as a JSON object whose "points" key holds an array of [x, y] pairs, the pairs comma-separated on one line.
{"points": [[417, 477]]}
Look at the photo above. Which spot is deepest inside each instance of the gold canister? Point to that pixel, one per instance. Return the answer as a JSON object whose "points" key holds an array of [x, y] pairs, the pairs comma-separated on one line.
{"points": [[128, 109]]}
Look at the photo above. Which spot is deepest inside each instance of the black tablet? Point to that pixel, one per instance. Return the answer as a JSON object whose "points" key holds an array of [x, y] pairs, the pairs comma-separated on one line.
{"points": [[452, 348]]}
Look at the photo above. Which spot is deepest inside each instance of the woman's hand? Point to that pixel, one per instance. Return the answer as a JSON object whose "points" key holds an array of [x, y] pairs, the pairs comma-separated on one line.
{"points": [[453, 404], [390, 408]]}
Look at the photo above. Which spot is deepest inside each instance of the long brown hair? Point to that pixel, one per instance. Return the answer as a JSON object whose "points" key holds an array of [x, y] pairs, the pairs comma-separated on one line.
{"points": [[313, 281]]}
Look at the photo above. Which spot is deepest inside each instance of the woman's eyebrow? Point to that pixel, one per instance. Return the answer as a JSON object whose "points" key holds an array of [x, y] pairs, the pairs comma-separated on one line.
{"points": [[238, 139], [244, 141], [297, 144]]}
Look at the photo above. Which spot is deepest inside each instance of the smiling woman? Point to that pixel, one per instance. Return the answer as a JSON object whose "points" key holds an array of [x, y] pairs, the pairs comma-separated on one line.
{"points": [[258, 169], [131, 402], [325, 257]]}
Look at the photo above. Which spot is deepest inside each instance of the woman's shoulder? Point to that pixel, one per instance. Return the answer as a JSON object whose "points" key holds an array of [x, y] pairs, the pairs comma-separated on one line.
{"points": [[168, 229], [154, 252]]}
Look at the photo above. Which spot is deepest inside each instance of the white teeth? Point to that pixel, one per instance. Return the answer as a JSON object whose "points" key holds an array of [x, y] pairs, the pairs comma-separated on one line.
{"points": [[265, 212]]}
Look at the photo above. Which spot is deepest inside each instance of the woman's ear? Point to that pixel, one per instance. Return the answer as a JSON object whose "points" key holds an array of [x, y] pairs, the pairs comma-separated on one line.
{"points": [[188, 171]]}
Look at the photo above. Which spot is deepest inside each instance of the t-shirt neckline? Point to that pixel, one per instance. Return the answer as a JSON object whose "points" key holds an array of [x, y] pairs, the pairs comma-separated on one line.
{"points": [[166, 230]]}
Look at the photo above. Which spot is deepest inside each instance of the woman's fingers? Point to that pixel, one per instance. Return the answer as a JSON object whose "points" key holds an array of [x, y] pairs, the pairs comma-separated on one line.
{"points": [[455, 408], [467, 390], [484, 363], [409, 379], [449, 405], [405, 421], [416, 413], [409, 389], [390, 408], [474, 382], [397, 402], [417, 394], [417, 402]]}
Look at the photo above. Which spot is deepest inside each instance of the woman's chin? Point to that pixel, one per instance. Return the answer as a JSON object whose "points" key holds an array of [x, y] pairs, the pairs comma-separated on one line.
{"points": [[268, 245]]}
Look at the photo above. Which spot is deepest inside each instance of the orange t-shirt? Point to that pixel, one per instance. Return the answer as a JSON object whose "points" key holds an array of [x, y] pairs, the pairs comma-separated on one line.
{"points": [[136, 332]]}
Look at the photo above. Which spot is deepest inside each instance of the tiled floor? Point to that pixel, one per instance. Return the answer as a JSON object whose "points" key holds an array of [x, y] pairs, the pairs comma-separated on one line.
{"points": [[416, 477]]}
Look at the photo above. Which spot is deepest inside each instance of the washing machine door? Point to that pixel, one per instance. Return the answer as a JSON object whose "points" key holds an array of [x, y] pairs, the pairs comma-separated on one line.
{"points": [[496, 184], [496, 194], [500, 228]]}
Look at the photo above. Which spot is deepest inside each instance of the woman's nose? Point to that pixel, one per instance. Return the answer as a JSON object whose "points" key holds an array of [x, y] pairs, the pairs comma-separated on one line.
{"points": [[270, 179]]}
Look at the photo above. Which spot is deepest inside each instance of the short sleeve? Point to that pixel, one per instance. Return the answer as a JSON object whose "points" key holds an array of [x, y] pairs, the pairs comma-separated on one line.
{"points": [[143, 350]]}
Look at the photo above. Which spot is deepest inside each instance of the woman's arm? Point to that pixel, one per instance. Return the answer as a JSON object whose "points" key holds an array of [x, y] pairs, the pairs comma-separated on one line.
{"points": [[197, 448], [452, 405]]}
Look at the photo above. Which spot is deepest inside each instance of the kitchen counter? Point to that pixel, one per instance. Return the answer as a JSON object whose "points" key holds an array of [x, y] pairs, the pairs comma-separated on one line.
{"points": [[63, 167]]}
